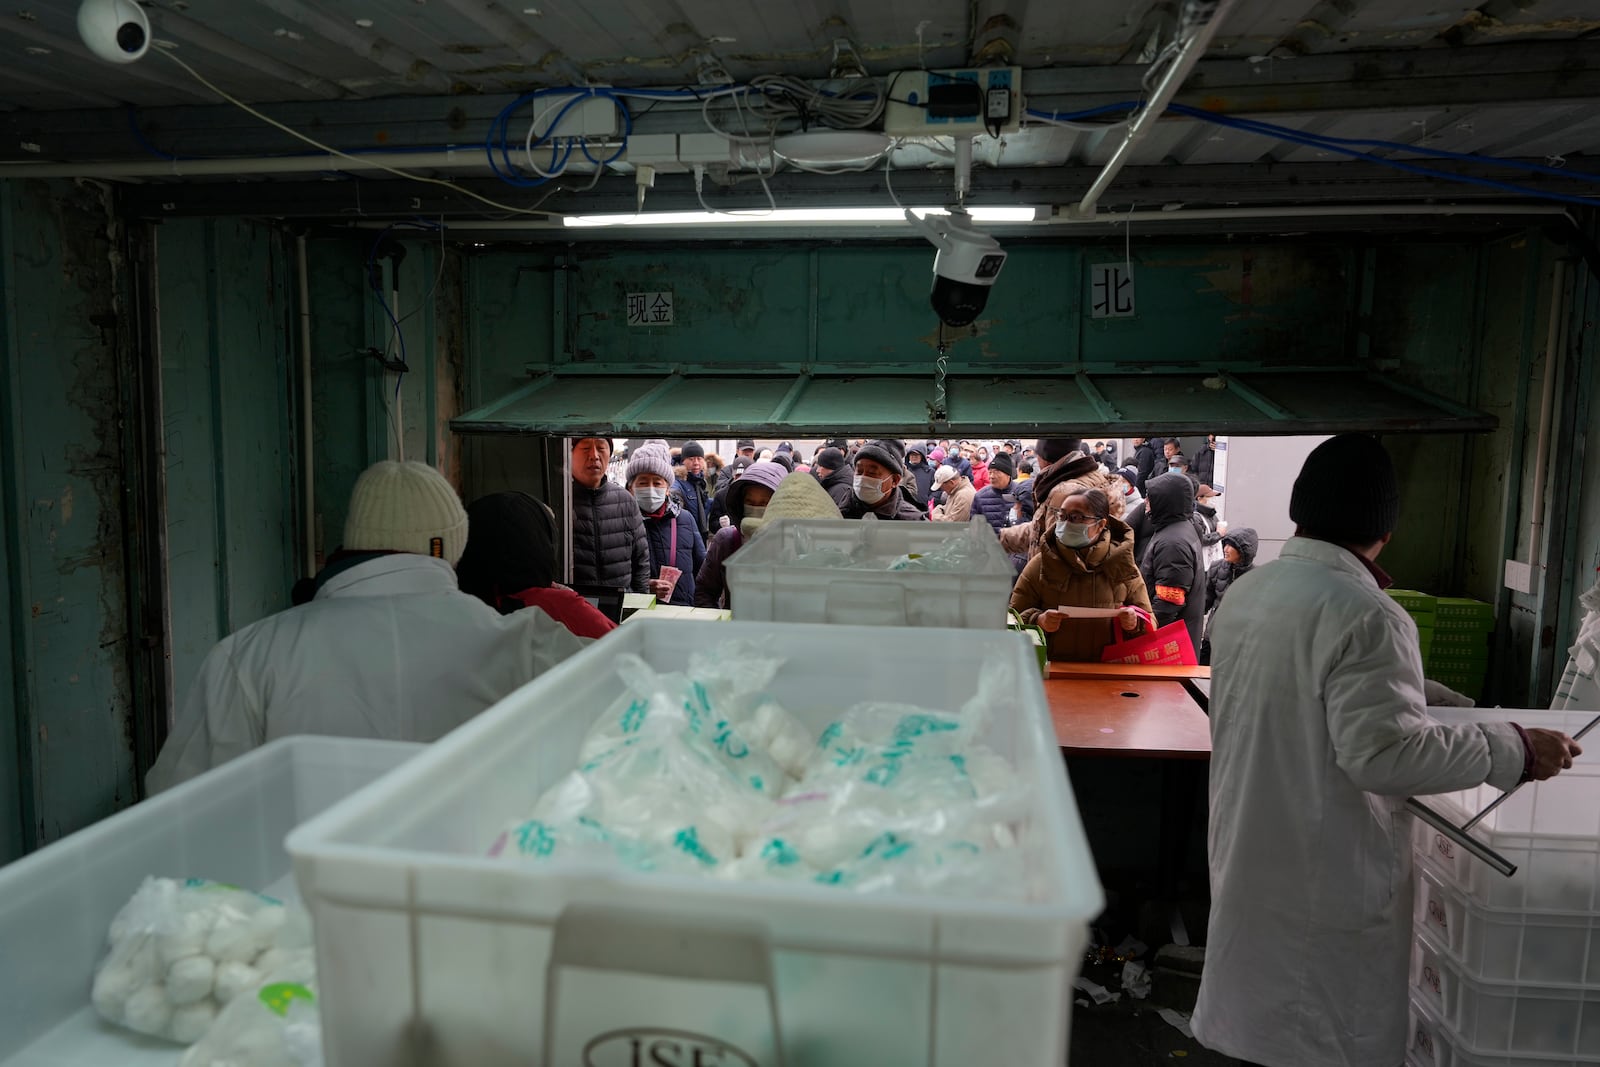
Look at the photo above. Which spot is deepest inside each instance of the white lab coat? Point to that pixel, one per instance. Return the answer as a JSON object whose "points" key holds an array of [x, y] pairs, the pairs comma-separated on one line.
{"points": [[1318, 735], [388, 649]]}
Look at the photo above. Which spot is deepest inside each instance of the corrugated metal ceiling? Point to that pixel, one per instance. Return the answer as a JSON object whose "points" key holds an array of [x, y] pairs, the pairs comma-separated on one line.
{"points": [[266, 50], [305, 50]]}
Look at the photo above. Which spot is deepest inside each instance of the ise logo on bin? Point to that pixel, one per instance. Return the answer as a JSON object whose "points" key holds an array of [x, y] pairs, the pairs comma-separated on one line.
{"points": [[649, 1047]]}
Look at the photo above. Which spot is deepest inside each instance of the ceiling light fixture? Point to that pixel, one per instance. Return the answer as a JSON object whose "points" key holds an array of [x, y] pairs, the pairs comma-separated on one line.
{"points": [[838, 216]]}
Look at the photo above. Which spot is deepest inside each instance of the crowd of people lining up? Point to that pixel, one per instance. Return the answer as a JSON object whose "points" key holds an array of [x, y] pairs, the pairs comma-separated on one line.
{"points": [[1081, 529]]}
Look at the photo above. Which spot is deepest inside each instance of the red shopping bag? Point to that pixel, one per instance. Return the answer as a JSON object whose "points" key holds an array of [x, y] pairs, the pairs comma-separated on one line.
{"points": [[1169, 646]]}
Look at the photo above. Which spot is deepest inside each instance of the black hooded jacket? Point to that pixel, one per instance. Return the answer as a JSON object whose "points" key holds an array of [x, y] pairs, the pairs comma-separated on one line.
{"points": [[1223, 574], [1172, 562]]}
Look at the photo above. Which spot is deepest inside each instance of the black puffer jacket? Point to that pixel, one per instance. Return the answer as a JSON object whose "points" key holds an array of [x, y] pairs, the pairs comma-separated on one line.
{"points": [[1144, 459], [1223, 574], [608, 541], [1204, 467], [840, 486], [1172, 563], [696, 496], [921, 474], [991, 504]]}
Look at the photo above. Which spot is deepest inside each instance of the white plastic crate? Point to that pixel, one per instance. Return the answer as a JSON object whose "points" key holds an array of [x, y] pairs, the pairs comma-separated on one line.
{"points": [[763, 585], [432, 953], [1431, 1043], [1505, 1019], [1507, 945], [1550, 830], [227, 825]]}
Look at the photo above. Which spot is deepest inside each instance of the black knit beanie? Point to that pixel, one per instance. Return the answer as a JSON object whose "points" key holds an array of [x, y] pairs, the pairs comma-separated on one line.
{"points": [[891, 455], [1347, 491], [1051, 449], [693, 450], [1002, 463]]}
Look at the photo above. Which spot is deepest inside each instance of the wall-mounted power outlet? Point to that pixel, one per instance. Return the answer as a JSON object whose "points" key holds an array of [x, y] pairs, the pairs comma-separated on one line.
{"points": [[916, 110]]}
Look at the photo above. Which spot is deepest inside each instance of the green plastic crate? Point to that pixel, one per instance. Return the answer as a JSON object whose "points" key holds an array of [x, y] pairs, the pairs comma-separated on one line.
{"points": [[1414, 602], [1449, 607], [1458, 664], [1466, 684]]}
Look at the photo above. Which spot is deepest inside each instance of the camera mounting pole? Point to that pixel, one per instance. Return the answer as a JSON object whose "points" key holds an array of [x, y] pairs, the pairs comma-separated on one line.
{"points": [[963, 170]]}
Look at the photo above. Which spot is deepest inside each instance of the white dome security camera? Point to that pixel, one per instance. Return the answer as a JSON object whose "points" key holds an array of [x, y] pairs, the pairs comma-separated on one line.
{"points": [[964, 268], [118, 31]]}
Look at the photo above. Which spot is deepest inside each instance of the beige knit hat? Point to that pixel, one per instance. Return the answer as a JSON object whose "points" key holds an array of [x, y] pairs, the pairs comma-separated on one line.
{"points": [[406, 507], [799, 496]]}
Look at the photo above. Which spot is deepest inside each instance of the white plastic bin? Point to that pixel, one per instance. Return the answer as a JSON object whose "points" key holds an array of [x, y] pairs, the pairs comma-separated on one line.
{"points": [[764, 585], [1503, 944], [1505, 1019], [227, 825], [1432, 1044], [1550, 830], [431, 953]]}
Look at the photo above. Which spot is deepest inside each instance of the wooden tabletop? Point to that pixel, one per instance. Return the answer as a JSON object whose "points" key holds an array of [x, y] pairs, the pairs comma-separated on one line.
{"points": [[1126, 718], [1125, 670]]}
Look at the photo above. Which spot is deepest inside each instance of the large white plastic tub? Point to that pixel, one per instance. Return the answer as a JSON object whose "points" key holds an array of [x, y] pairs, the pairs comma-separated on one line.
{"points": [[227, 825], [430, 953], [1503, 1018], [1550, 830], [764, 585], [1432, 1044], [1507, 944]]}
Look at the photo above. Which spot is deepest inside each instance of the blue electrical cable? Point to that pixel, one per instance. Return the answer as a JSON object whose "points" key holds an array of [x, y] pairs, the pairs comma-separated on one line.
{"points": [[1339, 145]]}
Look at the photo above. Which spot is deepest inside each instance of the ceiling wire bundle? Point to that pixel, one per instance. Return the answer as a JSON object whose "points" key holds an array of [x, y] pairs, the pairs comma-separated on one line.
{"points": [[1350, 147], [400, 366]]}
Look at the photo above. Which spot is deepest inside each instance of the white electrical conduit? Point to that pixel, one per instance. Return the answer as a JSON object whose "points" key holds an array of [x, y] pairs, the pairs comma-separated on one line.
{"points": [[308, 492], [1554, 359], [1153, 109]]}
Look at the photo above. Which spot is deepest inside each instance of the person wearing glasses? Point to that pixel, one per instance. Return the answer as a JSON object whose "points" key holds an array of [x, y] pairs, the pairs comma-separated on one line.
{"points": [[1085, 560]]}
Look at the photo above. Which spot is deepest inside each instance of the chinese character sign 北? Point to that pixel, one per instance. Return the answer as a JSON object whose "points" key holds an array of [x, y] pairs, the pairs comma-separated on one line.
{"points": [[1111, 291]]}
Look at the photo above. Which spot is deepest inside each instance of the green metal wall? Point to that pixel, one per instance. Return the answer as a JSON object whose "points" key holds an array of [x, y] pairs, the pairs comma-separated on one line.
{"points": [[226, 295], [65, 753]]}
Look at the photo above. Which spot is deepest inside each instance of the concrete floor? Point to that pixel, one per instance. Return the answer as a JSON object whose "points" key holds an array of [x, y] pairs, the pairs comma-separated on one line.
{"points": [[1131, 1033]]}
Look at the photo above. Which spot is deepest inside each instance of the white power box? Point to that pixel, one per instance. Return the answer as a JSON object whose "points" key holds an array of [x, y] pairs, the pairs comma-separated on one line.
{"points": [[922, 103], [590, 116]]}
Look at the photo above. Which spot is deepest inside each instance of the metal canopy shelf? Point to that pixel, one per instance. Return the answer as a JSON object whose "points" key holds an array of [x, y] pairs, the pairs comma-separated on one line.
{"points": [[899, 401]]}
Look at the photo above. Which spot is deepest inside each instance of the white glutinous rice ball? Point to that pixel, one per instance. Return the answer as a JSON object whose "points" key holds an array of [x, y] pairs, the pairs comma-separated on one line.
{"points": [[189, 980], [149, 1011], [186, 938], [234, 979], [265, 925], [192, 1021], [271, 960], [113, 985], [232, 939]]}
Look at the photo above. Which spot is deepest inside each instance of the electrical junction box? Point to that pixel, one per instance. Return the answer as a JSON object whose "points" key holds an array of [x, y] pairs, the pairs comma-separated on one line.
{"points": [[590, 116], [911, 92], [676, 153]]}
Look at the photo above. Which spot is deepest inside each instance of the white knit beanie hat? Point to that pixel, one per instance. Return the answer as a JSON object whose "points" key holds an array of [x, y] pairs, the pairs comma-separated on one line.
{"points": [[652, 457], [406, 507]]}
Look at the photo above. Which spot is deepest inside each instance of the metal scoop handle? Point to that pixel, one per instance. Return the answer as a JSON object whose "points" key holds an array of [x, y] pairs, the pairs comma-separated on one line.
{"points": [[1459, 834]]}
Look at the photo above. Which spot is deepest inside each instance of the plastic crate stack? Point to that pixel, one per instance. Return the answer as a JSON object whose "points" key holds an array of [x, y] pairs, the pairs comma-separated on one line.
{"points": [[1505, 972], [1454, 635]]}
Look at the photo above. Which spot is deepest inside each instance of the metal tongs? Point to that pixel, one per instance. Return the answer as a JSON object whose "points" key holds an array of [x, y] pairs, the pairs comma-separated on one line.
{"points": [[1460, 834]]}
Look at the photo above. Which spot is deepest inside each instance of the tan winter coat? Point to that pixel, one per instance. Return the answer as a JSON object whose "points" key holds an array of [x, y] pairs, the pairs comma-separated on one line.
{"points": [[1104, 575], [958, 506], [1025, 539]]}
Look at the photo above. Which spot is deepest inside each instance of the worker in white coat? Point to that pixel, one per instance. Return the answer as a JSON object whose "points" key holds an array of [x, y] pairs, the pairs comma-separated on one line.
{"points": [[389, 648], [1319, 733]]}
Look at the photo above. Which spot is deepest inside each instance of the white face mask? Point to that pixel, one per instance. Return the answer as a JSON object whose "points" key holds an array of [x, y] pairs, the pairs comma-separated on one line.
{"points": [[650, 499], [870, 490], [1074, 535]]}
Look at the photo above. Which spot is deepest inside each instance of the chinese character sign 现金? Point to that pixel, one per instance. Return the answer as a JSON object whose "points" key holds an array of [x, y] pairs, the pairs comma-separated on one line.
{"points": [[650, 309]]}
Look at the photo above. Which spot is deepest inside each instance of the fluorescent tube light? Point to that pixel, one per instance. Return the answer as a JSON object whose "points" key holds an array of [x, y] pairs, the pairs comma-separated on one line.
{"points": [[836, 216]]}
